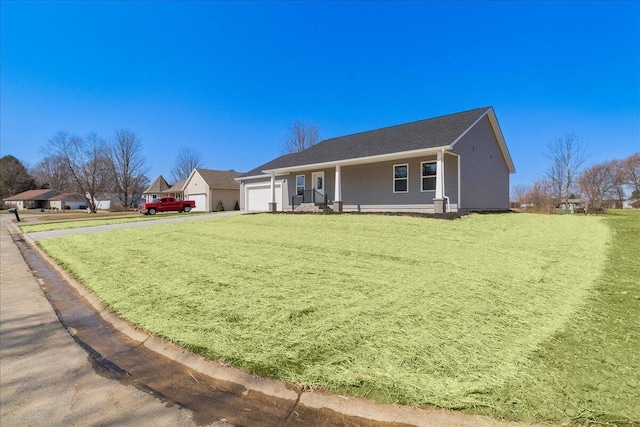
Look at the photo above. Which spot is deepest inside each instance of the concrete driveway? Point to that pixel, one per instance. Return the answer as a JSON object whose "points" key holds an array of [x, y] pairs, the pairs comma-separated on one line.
{"points": [[89, 230]]}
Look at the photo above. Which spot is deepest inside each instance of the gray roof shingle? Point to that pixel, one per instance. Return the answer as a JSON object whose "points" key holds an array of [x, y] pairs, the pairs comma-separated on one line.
{"points": [[428, 133]]}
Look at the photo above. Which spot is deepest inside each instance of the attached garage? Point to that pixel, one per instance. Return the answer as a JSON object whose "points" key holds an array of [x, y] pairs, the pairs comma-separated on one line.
{"points": [[258, 197], [201, 202]]}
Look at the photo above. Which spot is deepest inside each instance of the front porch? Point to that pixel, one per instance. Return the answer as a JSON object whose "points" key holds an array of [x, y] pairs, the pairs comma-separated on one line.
{"points": [[425, 184], [314, 200]]}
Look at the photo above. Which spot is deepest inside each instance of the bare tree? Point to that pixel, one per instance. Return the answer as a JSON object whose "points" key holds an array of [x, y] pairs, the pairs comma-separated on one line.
{"points": [[52, 172], [631, 171], [618, 183], [127, 166], [87, 161], [300, 136], [14, 177], [596, 182], [539, 197], [518, 193], [187, 160], [568, 154]]}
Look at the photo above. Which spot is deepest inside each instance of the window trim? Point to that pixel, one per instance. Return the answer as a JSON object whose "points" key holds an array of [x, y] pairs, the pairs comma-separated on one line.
{"points": [[393, 170], [422, 190], [304, 184]]}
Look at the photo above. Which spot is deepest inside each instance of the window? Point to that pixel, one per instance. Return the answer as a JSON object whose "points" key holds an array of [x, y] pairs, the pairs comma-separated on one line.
{"points": [[401, 178], [429, 176], [300, 185]]}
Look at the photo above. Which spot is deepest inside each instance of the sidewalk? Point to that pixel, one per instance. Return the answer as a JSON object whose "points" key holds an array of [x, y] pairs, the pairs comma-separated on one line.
{"points": [[46, 379]]}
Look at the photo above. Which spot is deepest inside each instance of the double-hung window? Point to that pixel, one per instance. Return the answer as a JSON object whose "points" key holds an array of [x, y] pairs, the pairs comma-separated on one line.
{"points": [[401, 178], [428, 176], [300, 185]]}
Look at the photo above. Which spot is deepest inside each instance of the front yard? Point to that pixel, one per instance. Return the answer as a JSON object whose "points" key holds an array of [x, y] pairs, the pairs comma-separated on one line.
{"points": [[521, 316]]}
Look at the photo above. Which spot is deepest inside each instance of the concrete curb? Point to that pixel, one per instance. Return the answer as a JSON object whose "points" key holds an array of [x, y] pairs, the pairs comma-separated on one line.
{"points": [[348, 406]]}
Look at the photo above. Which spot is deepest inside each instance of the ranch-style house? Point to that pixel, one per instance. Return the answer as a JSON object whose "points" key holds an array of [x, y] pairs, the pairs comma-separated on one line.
{"points": [[453, 163]]}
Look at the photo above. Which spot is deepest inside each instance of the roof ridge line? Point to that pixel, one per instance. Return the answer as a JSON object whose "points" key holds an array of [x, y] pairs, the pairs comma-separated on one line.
{"points": [[403, 124]]}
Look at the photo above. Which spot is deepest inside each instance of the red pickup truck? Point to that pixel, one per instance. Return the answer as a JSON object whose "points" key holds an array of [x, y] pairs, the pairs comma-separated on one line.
{"points": [[166, 204]]}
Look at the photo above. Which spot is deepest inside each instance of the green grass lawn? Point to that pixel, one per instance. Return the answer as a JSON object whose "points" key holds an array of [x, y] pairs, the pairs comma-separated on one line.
{"points": [[66, 225], [522, 316]]}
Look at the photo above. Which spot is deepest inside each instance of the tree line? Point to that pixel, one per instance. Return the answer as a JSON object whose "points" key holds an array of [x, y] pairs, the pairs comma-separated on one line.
{"points": [[570, 176], [91, 166]]}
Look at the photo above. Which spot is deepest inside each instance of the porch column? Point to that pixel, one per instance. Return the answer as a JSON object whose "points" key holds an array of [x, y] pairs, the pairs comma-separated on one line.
{"points": [[337, 203], [438, 201], [273, 205]]}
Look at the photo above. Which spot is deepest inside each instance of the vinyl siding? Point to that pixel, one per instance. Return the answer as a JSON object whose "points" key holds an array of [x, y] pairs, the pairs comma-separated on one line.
{"points": [[329, 183], [197, 185], [484, 176], [227, 196], [451, 179], [369, 187]]}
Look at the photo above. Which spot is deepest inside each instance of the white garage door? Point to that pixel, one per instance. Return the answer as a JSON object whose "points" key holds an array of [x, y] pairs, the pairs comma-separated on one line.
{"points": [[201, 202], [76, 205], [259, 196]]}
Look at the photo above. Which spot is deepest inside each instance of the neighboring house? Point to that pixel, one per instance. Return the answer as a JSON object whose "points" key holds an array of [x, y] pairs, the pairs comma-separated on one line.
{"points": [[32, 199], [457, 162], [572, 204], [68, 201], [208, 187], [176, 190], [154, 191], [104, 201], [109, 201]]}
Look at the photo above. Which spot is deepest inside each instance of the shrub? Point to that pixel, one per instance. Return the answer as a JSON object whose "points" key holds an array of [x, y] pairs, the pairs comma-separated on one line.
{"points": [[117, 207], [220, 208], [237, 206]]}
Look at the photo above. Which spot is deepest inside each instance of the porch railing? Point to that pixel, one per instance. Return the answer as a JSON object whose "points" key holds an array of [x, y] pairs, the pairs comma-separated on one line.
{"points": [[308, 196]]}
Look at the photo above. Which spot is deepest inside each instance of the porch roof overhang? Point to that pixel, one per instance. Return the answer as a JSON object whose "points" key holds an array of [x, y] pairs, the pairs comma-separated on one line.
{"points": [[356, 161]]}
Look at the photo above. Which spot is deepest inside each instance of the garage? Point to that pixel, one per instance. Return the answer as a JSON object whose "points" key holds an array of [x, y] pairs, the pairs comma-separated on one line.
{"points": [[201, 202], [75, 205], [258, 197]]}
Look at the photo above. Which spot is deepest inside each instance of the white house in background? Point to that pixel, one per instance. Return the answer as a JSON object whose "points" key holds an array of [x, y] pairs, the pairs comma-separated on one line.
{"points": [[154, 191], [68, 201], [176, 190], [32, 199], [208, 187], [107, 201], [47, 199]]}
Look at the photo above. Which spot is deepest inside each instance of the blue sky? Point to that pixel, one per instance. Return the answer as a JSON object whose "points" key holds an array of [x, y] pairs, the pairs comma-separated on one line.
{"points": [[227, 78]]}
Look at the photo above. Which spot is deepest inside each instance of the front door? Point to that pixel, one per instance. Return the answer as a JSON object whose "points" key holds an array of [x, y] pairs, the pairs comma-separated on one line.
{"points": [[317, 179]]}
